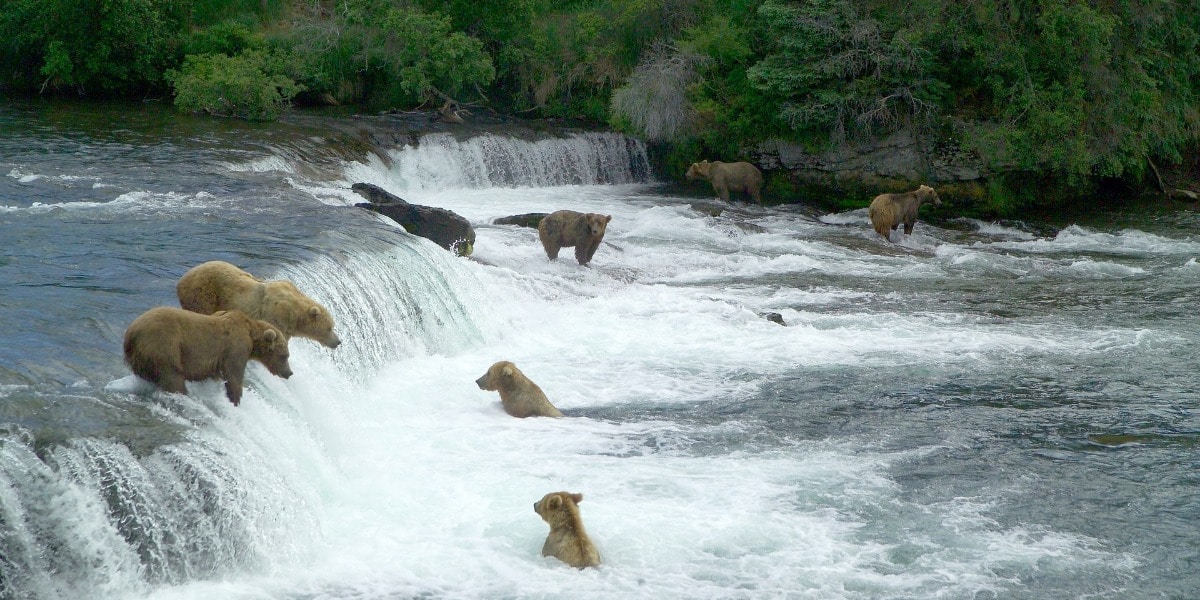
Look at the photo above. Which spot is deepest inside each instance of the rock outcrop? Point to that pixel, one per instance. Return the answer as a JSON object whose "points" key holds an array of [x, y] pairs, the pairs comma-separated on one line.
{"points": [[443, 227]]}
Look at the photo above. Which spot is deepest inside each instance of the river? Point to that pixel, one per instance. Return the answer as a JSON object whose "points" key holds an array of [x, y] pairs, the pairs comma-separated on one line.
{"points": [[979, 411]]}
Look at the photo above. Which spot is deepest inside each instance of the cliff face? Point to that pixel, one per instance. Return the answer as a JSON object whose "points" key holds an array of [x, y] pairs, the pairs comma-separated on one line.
{"points": [[898, 160]]}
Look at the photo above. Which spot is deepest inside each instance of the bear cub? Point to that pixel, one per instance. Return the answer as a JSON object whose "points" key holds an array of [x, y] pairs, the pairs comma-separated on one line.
{"points": [[566, 228], [519, 396], [168, 346], [568, 541]]}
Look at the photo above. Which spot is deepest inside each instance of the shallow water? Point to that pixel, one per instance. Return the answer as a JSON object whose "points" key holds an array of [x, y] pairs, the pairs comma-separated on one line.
{"points": [[978, 412]]}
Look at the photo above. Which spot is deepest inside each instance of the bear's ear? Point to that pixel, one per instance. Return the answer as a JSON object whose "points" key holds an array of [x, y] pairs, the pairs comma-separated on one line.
{"points": [[314, 312], [269, 335], [607, 218], [577, 498], [507, 371], [554, 502]]}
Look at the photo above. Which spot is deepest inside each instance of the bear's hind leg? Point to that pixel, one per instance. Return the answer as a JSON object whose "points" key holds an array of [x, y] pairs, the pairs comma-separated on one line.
{"points": [[171, 381]]}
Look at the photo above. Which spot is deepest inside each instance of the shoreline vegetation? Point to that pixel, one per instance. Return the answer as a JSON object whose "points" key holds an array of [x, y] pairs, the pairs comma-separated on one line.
{"points": [[1008, 108]]}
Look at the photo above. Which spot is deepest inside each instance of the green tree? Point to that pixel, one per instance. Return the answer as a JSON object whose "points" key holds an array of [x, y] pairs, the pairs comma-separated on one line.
{"points": [[89, 47], [251, 85], [833, 67], [390, 55]]}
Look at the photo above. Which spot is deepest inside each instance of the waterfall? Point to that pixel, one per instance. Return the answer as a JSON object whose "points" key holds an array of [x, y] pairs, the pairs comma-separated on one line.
{"points": [[89, 519], [90, 516], [440, 161], [394, 301], [115, 491]]}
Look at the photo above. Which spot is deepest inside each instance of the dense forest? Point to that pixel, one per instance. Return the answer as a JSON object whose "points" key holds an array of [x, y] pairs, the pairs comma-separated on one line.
{"points": [[1049, 94]]}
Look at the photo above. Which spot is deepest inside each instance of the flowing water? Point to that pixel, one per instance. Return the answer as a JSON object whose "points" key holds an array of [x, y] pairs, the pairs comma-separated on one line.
{"points": [[979, 411]]}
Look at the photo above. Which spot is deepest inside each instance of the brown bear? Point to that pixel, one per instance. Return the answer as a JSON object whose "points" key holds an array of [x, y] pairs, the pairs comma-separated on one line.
{"points": [[167, 346], [729, 177], [568, 541], [888, 211], [565, 228], [218, 285], [519, 396]]}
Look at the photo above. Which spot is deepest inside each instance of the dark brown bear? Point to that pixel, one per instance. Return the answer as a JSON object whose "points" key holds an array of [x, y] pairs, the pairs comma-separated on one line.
{"points": [[168, 346], [566, 228]]}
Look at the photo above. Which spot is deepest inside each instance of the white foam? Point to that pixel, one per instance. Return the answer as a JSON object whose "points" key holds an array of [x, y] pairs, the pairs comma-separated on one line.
{"points": [[857, 216], [396, 476], [996, 229], [1129, 242]]}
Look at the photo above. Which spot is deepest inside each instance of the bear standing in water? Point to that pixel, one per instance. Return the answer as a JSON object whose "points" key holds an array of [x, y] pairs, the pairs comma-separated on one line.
{"points": [[729, 177], [218, 285], [568, 541], [566, 228], [168, 346], [888, 211]]}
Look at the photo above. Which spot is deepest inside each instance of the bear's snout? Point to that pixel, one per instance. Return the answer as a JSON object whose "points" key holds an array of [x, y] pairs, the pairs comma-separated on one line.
{"points": [[332, 341], [285, 373], [482, 382]]}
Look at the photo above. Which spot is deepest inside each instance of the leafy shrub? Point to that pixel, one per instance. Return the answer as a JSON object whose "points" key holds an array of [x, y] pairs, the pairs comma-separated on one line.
{"points": [[229, 37], [251, 85]]}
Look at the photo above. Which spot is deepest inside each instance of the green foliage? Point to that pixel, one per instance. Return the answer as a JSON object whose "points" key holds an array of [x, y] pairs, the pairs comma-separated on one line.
{"points": [[719, 38], [833, 67], [96, 47], [779, 188], [393, 56], [1075, 89], [251, 85], [58, 67], [425, 55], [204, 13], [730, 113], [1059, 91], [228, 37]]}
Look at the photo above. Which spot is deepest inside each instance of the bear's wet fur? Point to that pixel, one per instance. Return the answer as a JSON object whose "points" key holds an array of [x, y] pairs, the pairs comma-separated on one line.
{"points": [[566, 228], [568, 541], [888, 211], [729, 177], [217, 285], [519, 396], [168, 346]]}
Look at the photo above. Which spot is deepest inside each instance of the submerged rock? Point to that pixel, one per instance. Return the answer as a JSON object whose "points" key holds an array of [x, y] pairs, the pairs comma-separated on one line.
{"points": [[443, 227]]}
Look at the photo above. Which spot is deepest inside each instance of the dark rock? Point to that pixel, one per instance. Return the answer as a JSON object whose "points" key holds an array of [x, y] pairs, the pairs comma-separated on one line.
{"points": [[901, 155], [443, 227], [524, 220], [774, 317]]}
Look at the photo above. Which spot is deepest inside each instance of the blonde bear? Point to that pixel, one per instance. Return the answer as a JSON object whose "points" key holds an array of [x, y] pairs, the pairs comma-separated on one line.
{"points": [[889, 211], [217, 285], [568, 541], [519, 396]]}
